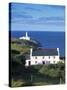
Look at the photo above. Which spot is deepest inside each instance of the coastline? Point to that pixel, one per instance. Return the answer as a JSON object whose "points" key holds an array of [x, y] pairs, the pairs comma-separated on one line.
{"points": [[45, 38]]}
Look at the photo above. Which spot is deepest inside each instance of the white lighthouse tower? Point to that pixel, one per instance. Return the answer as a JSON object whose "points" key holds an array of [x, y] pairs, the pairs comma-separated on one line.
{"points": [[26, 37]]}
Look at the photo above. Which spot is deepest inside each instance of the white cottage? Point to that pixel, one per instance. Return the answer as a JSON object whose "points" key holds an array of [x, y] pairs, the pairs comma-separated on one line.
{"points": [[43, 56]]}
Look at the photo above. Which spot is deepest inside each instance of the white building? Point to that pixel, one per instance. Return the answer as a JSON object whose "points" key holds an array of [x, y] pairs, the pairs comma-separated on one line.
{"points": [[43, 56], [26, 37]]}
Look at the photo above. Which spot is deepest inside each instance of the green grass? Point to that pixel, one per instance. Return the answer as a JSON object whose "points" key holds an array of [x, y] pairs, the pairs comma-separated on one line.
{"points": [[21, 49]]}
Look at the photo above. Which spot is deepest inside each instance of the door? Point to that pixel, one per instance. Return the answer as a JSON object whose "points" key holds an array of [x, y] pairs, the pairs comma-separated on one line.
{"points": [[43, 62], [29, 63]]}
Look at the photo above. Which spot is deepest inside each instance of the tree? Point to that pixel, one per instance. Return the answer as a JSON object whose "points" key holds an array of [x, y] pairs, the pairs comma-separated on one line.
{"points": [[61, 72], [20, 59]]}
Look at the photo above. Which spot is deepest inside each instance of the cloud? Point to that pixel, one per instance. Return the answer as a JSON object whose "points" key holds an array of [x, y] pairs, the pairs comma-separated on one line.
{"points": [[20, 15], [48, 21], [37, 14], [51, 18], [53, 21], [32, 9]]}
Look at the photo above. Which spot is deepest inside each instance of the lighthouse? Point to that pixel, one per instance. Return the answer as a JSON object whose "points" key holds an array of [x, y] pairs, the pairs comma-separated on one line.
{"points": [[26, 37], [26, 34]]}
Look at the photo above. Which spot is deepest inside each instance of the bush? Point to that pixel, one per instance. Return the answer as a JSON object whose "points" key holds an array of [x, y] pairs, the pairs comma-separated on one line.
{"points": [[16, 83], [44, 70], [15, 52]]}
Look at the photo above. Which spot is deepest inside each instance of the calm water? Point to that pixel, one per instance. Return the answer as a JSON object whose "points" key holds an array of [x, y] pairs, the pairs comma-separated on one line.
{"points": [[47, 39]]}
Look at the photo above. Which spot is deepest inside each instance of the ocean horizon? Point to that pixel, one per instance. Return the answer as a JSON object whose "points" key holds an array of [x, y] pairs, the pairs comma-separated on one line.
{"points": [[48, 39]]}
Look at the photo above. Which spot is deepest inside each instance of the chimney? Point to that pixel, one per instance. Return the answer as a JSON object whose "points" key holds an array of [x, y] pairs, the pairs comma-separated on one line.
{"points": [[58, 51], [31, 52]]}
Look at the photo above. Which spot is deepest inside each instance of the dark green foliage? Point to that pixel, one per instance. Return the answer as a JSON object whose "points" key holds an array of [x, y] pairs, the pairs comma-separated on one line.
{"points": [[20, 59], [15, 52], [41, 75]]}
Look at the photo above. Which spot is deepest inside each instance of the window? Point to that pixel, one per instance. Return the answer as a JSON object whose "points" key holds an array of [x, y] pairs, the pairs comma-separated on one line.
{"points": [[54, 57], [43, 62], [29, 63], [54, 62], [35, 57], [47, 62], [43, 57], [49, 57], [35, 61]]}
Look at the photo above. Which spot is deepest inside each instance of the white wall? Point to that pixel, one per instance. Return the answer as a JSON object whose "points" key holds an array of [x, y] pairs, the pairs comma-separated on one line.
{"points": [[40, 60]]}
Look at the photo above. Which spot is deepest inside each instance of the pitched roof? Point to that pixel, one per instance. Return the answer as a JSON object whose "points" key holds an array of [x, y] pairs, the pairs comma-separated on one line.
{"points": [[45, 52]]}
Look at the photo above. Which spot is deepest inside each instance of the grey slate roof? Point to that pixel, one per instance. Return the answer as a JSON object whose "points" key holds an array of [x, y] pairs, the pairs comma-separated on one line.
{"points": [[45, 52]]}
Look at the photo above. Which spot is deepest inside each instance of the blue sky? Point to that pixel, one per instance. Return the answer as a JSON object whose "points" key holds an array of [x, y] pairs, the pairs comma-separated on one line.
{"points": [[37, 17]]}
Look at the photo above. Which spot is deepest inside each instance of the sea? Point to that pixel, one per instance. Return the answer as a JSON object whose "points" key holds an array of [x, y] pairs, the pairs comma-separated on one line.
{"points": [[46, 38]]}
